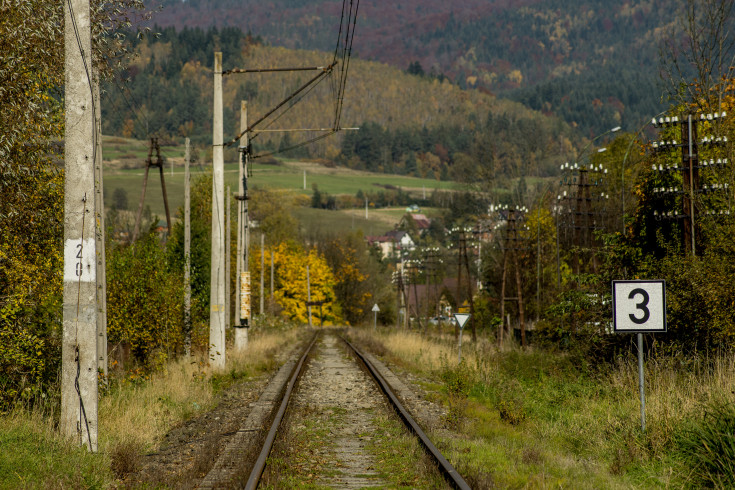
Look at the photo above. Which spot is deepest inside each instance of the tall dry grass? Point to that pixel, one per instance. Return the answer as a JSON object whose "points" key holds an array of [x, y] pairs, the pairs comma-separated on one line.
{"points": [[533, 400], [430, 353], [139, 413]]}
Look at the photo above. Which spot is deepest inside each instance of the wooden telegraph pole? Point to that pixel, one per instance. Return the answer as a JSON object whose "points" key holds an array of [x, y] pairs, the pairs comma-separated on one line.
{"points": [[79, 342], [514, 242], [159, 164], [217, 317]]}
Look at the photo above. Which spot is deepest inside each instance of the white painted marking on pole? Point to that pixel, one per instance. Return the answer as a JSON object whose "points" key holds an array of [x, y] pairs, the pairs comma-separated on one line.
{"points": [[79, 260]]}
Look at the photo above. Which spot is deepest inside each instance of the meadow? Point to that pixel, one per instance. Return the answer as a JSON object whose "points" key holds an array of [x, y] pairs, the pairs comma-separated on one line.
{"points": [[531, 418], [124, 160]]}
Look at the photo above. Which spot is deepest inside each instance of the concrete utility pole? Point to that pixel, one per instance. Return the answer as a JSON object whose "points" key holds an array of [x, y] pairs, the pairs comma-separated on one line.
{"points": [[217, 316], [228, 275], [79, 343], [99, 204], [271, 290], [243, 238], [308, 294], [187, 250], [262, 270]]}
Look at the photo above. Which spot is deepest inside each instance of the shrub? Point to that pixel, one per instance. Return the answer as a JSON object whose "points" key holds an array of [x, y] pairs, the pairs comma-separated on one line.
{"points": [[144, 301]]}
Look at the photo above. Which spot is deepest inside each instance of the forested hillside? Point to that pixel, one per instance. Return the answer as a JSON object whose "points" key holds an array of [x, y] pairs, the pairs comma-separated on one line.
{"points": [[590, 61], [408, 124]]}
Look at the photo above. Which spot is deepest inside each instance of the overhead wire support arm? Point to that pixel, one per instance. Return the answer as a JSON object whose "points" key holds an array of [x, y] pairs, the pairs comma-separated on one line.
{"points": [[325, 71], [295, 130], [272, 70]]}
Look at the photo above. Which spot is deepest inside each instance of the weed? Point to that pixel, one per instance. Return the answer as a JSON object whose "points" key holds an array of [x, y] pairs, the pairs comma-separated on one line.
{"points": [[707, 446], [124, 459], [458, 381], [511, 411]]}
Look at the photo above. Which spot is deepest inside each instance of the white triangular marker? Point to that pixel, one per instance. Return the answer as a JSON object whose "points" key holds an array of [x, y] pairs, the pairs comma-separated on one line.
{"points": [[461, 318]]}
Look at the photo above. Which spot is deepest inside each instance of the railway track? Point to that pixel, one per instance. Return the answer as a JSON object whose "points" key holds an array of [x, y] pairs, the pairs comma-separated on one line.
{"points": [[340, 391]]}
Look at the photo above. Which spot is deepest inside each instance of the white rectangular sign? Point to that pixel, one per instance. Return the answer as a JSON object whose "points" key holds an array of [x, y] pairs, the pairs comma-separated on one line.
{"points": [[79, 260], [639, 306]]}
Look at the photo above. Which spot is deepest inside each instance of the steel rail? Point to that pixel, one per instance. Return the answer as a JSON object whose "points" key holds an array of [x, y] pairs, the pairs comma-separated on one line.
{"points": [[450, 473], [257, 470]]}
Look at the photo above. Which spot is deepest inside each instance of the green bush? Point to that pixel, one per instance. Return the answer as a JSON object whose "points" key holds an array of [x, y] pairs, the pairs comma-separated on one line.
{"points": [[144, 301]]}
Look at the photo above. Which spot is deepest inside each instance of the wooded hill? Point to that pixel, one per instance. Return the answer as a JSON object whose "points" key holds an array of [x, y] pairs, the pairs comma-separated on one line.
{"points": [[408, 124], [592, 62]]}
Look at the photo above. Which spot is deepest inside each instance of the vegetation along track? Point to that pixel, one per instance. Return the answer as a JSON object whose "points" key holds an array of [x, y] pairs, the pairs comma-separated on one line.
{"points": [[335, 427]]}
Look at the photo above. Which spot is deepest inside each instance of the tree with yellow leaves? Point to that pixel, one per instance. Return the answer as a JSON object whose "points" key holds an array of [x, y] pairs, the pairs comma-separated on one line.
{"points": [[290, 261]]}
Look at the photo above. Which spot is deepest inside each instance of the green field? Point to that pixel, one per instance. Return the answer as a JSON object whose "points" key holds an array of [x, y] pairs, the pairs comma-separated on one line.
{"points": [[322, 222], [286, 176]]}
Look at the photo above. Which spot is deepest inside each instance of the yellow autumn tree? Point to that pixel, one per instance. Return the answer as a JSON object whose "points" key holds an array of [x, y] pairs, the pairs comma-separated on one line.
{"points": [[290, 261]]}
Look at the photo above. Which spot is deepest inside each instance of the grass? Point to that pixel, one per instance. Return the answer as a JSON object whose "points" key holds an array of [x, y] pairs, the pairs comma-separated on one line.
{"points": [[34, 456], [322, 222], [134, 415], [401, 459], [539, 419], [304, 452], [289, 176]]}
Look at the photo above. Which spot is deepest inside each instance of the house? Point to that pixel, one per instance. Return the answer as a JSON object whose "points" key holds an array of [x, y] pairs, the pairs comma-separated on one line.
{"points": [[417, 222], [392, 243]]}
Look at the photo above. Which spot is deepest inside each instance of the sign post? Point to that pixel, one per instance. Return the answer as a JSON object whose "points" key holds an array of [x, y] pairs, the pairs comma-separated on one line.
{"points": [[375, 316], [461, 321], [639, 307]]}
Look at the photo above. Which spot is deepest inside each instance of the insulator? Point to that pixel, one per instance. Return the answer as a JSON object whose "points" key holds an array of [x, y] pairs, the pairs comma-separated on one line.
{"points": [[660, 120], [653, 167], [702, 117], [653, 121], [723, 114], [660, 167], [654, 145], [709, 117], [676, 119], [673, 142], [724, 139], [668, 119]]}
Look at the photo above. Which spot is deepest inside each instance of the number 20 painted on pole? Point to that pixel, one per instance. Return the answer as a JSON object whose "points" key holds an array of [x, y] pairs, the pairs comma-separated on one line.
{"points": [[639, 306]]}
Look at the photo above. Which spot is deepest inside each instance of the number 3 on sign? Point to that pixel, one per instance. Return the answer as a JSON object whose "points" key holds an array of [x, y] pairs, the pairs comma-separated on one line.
{"points": [[639, 306]]}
